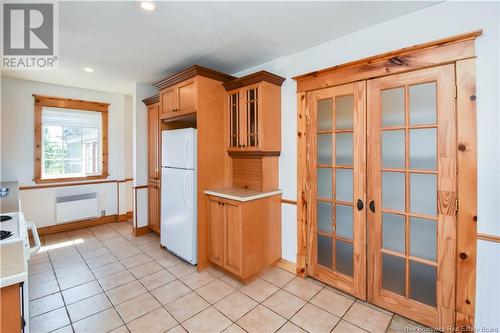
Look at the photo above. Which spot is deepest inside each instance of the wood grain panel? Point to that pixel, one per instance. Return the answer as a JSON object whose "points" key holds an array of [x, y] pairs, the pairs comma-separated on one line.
{"points": [[247, 173], [467, 189], [232, 238], [215, 230], [10, 309]]}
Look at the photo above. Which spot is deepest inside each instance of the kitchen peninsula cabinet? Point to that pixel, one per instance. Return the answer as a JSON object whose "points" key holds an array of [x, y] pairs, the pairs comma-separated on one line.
{"points": [[253, 106], [244, 230]]}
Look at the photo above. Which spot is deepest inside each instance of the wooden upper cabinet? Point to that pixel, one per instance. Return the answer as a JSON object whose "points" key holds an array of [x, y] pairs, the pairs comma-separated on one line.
{"points": [[167, 98], [186, 96], [253, 105], [179, 94]]}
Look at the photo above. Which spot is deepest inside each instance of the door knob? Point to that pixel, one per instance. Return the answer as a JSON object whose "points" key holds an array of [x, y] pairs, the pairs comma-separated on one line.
{"points": [[360, 204], [372, 206]]}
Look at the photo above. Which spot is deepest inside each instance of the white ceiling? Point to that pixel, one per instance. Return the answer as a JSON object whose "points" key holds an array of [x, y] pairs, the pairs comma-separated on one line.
{"points": [[125, 44]]}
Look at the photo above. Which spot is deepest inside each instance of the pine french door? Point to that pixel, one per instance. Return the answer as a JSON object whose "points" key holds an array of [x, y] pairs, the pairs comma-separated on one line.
{"points": [[412, 194], [337, 162]]}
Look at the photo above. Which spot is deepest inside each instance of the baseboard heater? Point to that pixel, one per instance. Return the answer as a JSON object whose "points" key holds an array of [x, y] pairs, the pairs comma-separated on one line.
{"points": [[71, 208]]}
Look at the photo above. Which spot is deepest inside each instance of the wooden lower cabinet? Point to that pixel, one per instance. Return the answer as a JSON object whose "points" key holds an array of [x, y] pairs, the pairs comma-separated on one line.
{"points": [[215, 227], [244, 237], [10, 300], [154, 200]]}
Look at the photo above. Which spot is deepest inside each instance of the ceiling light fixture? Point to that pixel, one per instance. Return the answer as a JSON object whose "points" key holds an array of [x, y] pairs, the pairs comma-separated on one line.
{"points": [[148, 5], [88, 69]]}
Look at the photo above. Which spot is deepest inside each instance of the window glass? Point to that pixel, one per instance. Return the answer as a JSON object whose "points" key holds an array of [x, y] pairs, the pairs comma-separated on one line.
{"points": [[71, 143]]}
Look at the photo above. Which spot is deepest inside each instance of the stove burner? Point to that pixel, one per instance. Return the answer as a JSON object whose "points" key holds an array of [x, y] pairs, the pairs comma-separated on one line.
{"points": [[5, 218], [5, 234]]}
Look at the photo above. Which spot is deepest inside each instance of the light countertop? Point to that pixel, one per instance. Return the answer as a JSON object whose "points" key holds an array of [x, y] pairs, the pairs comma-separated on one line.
{"points": [[10, 202], [240, 194]]}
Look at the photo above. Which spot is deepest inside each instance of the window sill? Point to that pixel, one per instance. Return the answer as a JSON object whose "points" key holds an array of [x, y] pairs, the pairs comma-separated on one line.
{"points": [[72, 179]]}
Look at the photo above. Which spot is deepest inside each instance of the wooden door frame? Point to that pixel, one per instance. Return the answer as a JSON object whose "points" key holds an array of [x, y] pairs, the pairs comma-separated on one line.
{"points": [[458, 50]]}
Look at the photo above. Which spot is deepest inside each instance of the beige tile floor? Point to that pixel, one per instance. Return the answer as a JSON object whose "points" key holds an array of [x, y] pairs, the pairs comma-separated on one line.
{"points": [[103, 279]]}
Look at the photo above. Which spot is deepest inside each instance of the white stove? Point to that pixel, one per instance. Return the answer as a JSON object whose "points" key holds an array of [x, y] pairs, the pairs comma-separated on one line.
{"points": [[15, 250]]}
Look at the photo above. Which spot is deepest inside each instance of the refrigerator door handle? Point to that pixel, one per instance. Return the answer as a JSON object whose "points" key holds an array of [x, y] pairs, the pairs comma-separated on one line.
{"points": [[186, 151], [186, 188]]}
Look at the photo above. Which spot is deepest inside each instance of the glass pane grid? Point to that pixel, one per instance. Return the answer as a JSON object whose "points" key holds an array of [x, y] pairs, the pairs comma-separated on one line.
{"points": [[412, 257]]}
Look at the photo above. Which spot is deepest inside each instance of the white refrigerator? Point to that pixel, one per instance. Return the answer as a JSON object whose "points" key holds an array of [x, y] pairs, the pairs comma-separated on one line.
{"points": [[178, 193]]}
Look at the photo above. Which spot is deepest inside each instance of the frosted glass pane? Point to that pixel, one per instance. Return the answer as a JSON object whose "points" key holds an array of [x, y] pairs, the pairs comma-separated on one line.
{"points": [[325, 114], [343, 184], [343, 149], [423, 103], [423, 238], [423, 149], [344, 216], [393, 190], [344, 110], [423, 194], [324, 216], [423, 283], [393, 232], [324, 148], [393, 149], [343, 257], [325, 251], [393, 274], [324, 183], [393, 107]]}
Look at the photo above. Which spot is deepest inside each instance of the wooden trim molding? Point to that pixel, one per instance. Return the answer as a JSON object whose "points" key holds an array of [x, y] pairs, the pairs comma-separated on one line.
{"points": [[140, 231], [290, 202], [253, 154], [488, 237], [52, 229], [438, 52], [192, 72], [152, 100], [287, 266], [68, 103], [466, 246], [252, 79], [125, 217], [39, 187]]}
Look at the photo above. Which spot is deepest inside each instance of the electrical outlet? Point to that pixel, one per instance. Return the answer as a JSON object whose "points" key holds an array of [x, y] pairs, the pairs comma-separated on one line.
{"points": [[103, 212]]}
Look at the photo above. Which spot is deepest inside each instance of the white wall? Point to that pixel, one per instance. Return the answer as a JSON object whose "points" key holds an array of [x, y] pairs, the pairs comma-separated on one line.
{"points": [[439, 21], [17, 147]]}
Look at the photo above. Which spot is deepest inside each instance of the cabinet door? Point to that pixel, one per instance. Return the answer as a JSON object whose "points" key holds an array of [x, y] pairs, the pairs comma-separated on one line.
{"points": [[233, 109], [232, 238], [251, 118], [168, 101], [154, 206], [186, 96], [153, 142], [215, 231]]}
